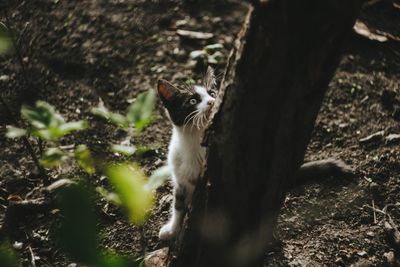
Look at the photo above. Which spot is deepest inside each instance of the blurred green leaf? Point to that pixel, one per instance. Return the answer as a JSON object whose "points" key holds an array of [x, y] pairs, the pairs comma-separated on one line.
{"points": [[84, 158], [142, 150], [115, 118], [47, 123], [52, 157], [119, 120], [8, 257], [5, 40], [125, 150], [44, 134], [112, 260], [129, 183], [43, 115], [69, 127], [109, 196], [100, 111], [14, 132], [158, 177], [77, 233], [140, 113]]}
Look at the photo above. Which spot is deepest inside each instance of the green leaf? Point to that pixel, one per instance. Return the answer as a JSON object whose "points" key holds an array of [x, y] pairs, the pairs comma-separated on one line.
{"points": [[5, 40], [119, 120], [101, 111], [47, 123], [115, 118], [125, 150], [69, 127], [77, 234], [43, 115], [158, 177], [112, 260], [129, 183], [44, 134], [140, 113], [53, 157], [14, 132], [85, 159], [141, 150], [109, 196], [8, 257]]}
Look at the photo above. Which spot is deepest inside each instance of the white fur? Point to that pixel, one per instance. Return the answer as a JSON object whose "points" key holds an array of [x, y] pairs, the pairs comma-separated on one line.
{"points": [[185, 157]]}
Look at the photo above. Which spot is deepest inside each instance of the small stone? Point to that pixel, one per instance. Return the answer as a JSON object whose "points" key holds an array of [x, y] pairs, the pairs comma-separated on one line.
{"points": [[4, 78], [390, 257], [370, 234], [361, 253], [156, 258], [17, 245]]}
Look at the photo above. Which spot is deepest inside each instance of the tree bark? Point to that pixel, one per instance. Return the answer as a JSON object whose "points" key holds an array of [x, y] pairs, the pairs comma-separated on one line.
{"points": [[270, 96]]}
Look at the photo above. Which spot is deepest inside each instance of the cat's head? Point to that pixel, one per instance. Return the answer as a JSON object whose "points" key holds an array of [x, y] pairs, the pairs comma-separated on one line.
{"points": [[189, 106]]}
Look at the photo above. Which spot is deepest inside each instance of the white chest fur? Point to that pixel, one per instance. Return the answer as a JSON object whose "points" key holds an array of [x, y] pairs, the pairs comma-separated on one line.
{"points": [[186, 155]]}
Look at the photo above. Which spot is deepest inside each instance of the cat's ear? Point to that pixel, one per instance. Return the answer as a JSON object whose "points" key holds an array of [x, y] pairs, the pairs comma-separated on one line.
{"points": [[166, 90], [209, 80]]}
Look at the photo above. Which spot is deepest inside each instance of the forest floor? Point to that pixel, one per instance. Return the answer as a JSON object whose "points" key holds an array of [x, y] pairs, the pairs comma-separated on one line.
{"points": [[77, 52]]}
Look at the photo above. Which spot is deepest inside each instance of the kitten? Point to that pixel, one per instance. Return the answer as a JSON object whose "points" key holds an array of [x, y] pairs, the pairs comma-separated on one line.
{"points": [[188, 110]]}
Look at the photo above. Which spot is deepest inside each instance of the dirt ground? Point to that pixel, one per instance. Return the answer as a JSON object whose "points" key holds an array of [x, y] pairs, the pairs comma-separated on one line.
{"points": [[76, 52]]}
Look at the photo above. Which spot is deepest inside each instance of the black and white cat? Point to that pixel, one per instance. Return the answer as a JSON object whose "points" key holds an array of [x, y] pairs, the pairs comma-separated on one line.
{"points": [[189, 111]]}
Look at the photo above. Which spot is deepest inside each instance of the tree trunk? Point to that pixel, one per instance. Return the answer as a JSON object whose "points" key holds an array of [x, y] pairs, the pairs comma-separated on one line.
{"points": [[272, 91]]}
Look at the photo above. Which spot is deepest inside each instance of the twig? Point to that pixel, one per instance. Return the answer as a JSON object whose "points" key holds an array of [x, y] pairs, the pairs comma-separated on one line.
{"points": [[28, 144], [33, 262], [373, 208]]}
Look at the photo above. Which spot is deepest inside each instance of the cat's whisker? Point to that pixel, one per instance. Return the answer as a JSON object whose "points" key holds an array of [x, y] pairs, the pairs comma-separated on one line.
{"points": [[196, 120], [189, 118], [188, 121]]}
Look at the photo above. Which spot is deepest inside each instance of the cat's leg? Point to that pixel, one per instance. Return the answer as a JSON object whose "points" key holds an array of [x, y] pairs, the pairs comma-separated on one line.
{"points": [[182, 194]]}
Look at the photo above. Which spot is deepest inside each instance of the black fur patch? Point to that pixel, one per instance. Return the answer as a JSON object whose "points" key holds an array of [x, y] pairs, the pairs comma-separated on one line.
{"points": [[180, 107]]}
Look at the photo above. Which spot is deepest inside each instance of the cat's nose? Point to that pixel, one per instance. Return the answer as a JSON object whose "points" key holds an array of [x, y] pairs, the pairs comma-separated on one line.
{"points": [[210, 102]]}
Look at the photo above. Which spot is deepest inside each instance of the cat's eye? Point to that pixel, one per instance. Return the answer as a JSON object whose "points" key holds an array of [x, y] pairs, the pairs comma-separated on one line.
{"points": [[193, 101], [213, 94]]}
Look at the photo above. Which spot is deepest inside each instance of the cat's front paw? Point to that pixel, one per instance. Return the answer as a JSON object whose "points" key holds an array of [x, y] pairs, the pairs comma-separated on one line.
{"points": [[168, 232]]}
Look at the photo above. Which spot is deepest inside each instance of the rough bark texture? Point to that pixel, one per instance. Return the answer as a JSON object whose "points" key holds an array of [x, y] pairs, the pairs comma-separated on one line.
{"points": [[269, 99]]}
